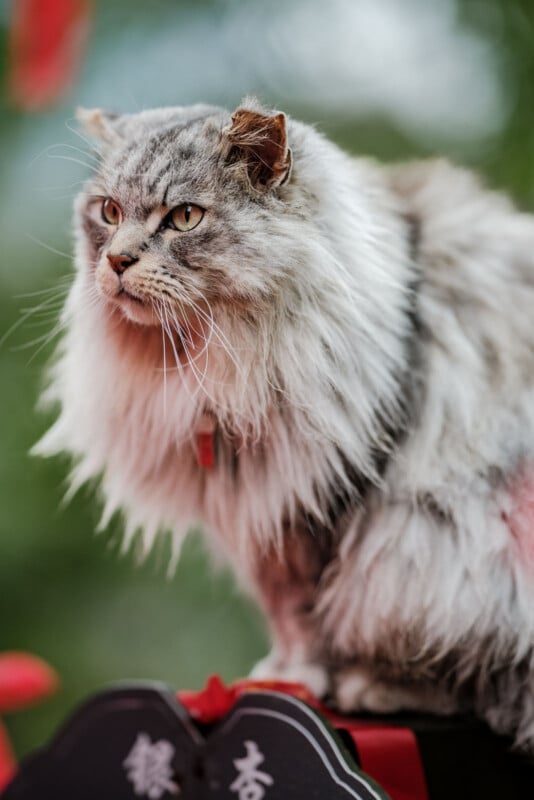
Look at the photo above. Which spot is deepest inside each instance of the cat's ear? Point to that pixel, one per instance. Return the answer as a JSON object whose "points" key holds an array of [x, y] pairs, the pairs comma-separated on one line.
{"points": [[259, 141], [98, 124]]}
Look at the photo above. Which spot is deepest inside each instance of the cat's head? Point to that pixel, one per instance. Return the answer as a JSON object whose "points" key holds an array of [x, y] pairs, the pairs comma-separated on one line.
{"points": [[188, 209]]}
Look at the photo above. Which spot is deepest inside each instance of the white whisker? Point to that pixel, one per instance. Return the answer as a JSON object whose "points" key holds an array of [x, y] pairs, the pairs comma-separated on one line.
{"points": [[48, 246], [56, 330], [85, 139], [167, 329], [26, 314], [164, 362], [60, 157], [60, 290], [199, 377]]}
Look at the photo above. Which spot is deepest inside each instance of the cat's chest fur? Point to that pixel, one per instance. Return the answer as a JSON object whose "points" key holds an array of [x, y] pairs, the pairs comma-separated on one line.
{"points": [[137, 421]]}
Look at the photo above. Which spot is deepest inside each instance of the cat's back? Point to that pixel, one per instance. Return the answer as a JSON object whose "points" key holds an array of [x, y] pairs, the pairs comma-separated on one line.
{"points": [[475, 257], [474, 250], [464, 226]]}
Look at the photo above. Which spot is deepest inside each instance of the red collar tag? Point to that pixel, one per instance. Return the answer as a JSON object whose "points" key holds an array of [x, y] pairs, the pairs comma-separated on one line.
{"points": [[205, 441]]}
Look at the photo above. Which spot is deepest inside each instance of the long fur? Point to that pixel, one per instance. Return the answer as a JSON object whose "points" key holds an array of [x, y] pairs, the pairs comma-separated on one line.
{"points": [[362, 337]]}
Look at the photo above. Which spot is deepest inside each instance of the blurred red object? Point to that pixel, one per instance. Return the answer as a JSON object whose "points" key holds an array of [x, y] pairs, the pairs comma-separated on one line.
{"points": [[47, 41], [24, 680], [8, 765]]}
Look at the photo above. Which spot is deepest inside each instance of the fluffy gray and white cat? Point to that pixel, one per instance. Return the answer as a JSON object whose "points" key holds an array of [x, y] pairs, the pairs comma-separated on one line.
{"points": [[353, 346]]}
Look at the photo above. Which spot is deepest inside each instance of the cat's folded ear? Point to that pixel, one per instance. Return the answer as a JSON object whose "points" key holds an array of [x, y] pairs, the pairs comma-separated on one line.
{"points": [[99, 124], [258, 140]]}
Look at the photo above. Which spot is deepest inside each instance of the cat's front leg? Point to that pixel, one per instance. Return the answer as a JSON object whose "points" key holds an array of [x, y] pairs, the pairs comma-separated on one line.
{"points": [[288, 581]]}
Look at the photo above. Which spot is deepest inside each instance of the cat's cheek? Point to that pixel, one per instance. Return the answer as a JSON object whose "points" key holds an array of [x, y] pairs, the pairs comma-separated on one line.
{"points": [[90, 256], [96, 237]]}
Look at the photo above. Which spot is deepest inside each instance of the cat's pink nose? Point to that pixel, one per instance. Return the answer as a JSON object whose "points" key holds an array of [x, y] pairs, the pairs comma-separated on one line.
{"points": [[121, 262]]}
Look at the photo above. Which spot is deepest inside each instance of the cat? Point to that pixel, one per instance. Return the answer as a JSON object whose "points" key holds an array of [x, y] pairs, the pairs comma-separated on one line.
{"points": [[330, 362]]}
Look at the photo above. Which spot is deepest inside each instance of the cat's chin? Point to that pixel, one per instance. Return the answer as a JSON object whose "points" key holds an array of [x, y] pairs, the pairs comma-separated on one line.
{"points": [[131, 308], [135, 310]]}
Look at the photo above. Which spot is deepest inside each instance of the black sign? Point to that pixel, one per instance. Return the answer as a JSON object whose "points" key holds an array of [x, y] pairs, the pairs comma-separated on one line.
{"points": [[139, 742]]}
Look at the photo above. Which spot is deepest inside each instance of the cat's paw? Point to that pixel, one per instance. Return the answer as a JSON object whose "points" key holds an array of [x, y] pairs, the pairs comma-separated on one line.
{"points": [[313, 676], [357, 689]]}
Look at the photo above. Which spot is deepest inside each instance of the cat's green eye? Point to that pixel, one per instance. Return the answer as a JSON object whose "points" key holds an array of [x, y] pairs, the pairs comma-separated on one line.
{"points": [[111, 211], [186, 217]]}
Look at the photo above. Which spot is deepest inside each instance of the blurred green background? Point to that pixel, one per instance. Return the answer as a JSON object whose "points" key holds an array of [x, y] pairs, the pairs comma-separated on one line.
{"points": [[390, 78]]}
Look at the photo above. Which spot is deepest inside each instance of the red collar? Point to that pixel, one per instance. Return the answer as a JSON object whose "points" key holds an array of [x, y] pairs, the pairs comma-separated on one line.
{"points": [[205, 440]]}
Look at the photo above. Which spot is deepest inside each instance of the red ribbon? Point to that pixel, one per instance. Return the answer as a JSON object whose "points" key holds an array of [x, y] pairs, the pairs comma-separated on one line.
{"points": [[216, 698], [391, 756]]}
